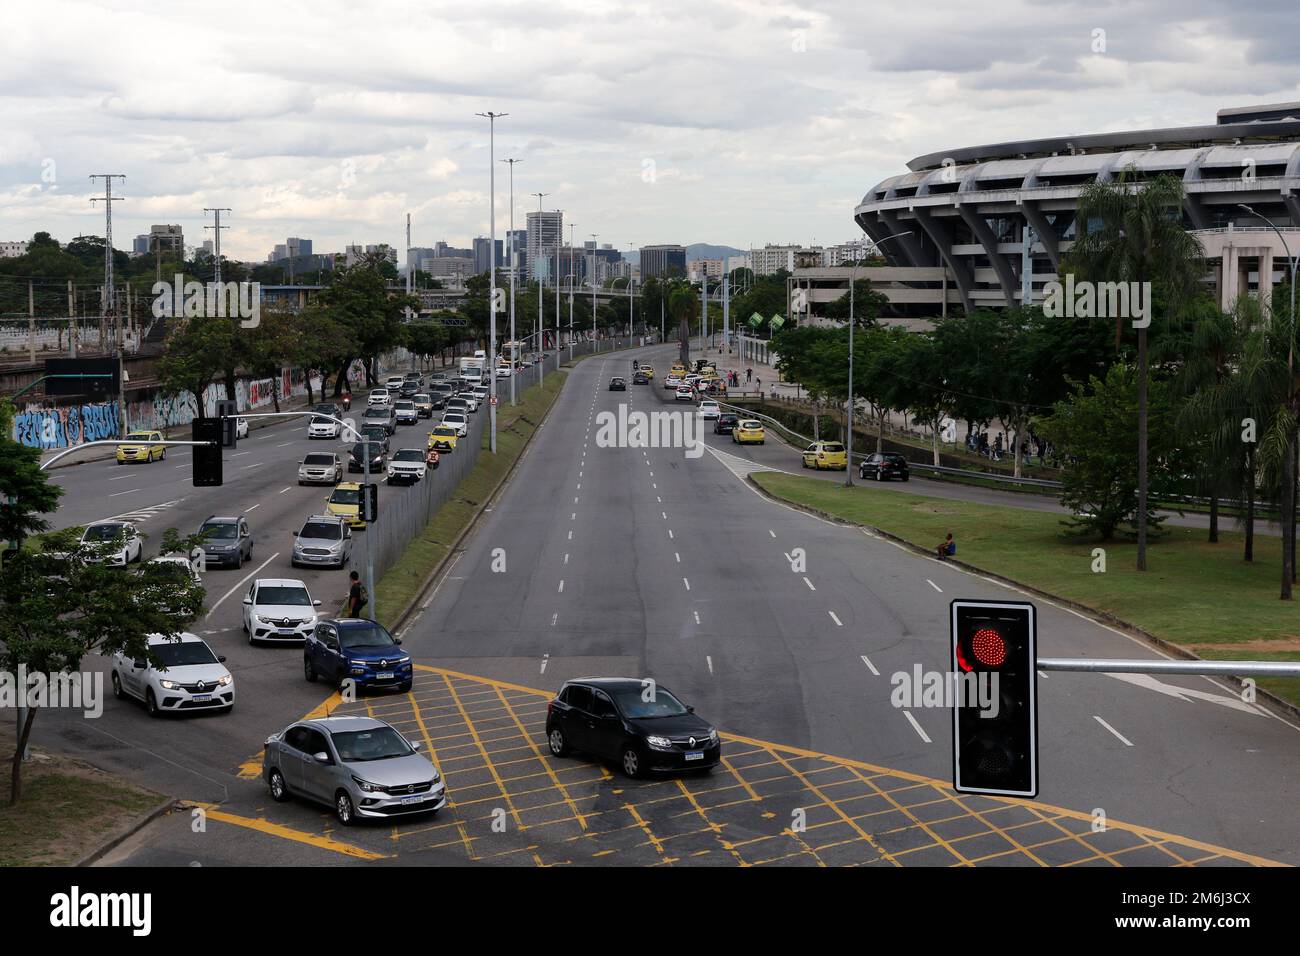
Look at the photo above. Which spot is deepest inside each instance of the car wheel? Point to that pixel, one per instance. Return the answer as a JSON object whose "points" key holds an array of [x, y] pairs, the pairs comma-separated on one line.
{"points": [[151, 704], [804, 462], [308, 671], [343, 809], [117, 686], [631, 762], [906, 477], [880, 475], [559, 746], [279, 792], [163, 456]]}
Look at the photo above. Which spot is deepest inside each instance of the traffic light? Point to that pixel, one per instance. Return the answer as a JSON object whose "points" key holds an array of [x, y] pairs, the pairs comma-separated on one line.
{"points": [[995, 699], [225, 409], [369, 502], [207, 458]]}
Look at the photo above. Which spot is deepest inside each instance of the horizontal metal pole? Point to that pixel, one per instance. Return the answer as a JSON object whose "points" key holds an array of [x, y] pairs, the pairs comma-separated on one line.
{"points": [[1206, 668], [116, 441]]}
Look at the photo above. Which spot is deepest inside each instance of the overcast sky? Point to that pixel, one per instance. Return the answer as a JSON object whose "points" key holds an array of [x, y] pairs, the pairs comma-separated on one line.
{"points": [[728, 121]]}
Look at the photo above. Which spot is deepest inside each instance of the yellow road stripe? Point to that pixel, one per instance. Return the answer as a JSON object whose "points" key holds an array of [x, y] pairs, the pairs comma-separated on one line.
{"points": [[288, 833]]}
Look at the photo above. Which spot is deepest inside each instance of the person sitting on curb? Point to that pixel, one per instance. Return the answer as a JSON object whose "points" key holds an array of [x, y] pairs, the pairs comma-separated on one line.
{"points": [[948, 548]]}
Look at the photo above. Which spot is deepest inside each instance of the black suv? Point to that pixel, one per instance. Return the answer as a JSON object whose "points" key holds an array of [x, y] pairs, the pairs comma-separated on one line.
{"points": [[725, 423], [884, 467], [635, 722]]}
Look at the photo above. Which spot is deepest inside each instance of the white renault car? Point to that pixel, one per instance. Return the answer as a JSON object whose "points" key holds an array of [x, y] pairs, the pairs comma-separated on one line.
{"points": [[320, 427], [123, 542], [278, 609], [187, 676], [378, 397], [710, 409], [457, 420]]}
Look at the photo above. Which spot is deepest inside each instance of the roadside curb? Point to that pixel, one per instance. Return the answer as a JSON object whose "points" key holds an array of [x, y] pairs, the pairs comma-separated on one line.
{"points": [[436, 571], [1094, 614], [132, 828]]}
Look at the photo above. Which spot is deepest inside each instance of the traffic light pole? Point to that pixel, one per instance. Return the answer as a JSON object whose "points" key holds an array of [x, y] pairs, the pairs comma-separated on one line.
{"points": [[1197, 668], [370, 549]]}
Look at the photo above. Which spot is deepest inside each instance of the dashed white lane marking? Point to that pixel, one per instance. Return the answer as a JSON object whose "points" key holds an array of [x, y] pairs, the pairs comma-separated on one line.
{"points": [[687, 583], [239, 453], [253, 507], [575, 499], [1122, 739], [837, 621], [174, 466], [285, 444], [573, 516], [118, 494], [670, 532], [1042, 675], [709, 660], [771, 532], [570, 535], [555, 617], [933, 585], [285, 488], [545, 658], [566, 557], [866, 660], [561, 585], [678, 557], [915, 726], [654, 486], [658, 499], [256, 464], [809, 583], [697, 616], [665, 514], [120, 477]]}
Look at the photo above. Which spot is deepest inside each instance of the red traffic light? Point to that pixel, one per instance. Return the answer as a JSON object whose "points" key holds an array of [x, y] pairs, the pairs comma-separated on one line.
{"points": [[989, 646]]}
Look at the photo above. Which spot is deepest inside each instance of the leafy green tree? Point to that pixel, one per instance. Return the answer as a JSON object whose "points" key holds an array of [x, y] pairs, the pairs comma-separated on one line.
{"points": [[196, 352], [357, 298]]}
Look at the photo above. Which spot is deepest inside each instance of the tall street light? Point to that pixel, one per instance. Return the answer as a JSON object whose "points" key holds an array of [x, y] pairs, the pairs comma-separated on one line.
{"points": [[541, 370], [492, 274], [592, 276], [853, 278], [571, 278], [559, 240], [630, 247], [511, 245]]}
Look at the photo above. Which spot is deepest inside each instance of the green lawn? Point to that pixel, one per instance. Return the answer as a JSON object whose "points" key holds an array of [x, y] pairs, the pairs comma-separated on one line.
{"points": [[1201, 596], [403, 580]]}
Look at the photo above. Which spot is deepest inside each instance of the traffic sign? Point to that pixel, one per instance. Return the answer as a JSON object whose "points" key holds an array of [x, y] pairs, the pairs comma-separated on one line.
{"points": [[494, 399], [369, 502]]}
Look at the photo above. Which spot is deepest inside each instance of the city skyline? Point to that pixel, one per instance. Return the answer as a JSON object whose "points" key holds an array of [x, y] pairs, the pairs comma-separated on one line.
{"points": [[650, 140]]}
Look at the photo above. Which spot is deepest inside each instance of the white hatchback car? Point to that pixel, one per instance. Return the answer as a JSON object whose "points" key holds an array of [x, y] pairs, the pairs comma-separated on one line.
{"points": [[710, 409], [278, 609], [457, 420], [684, 393], [379, 397], [186, 677]]}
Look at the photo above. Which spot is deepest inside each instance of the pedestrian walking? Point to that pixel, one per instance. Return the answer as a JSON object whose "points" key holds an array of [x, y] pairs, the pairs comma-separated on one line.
{"points": [[357, 596], [749, 375]]}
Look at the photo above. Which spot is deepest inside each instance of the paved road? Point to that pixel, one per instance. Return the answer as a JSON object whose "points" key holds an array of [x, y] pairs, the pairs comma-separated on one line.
{"points": [[646, 562]]}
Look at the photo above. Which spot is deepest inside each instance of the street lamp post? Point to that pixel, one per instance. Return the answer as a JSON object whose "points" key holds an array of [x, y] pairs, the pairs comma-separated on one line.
{"points": [[571, 278], [853, 278], [559, 239], [541, 371], [492, 274], [630, 317], [510, 243], [591, 275]]}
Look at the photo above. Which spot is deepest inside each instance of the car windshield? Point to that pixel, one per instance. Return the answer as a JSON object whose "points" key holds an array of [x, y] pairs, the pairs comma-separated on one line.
{"points": [[140, 436], [421, 399], [297, 597], [219, 531], [751, 425], [453, 418], [318, 460], [381, 743], [182, 653], [894, 459], [376, 413], [322, 530], [327, 409], [365, 635], [444, 431], [102, 532], [632, 705], [405, 403], [346, 496], [409, 454]]}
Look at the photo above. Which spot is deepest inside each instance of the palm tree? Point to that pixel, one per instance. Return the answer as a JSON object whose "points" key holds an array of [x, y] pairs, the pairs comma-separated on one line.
{"points": [[683, 305], [1132, 231]]}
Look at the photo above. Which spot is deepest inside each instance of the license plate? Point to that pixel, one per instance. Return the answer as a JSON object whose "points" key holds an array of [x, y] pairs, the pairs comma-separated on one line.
{"points": [[201, 697], [384, 675], [415, 799], [694, 755], [287, 632]]}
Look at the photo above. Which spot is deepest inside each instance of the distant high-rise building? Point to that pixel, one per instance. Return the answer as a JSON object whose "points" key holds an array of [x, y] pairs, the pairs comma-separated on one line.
{"points": [[170, 237], [298, 247], [483, 255], [416, 254], [209, 247], [661, 260], [281, 251], [140, 245], [545, 234]]}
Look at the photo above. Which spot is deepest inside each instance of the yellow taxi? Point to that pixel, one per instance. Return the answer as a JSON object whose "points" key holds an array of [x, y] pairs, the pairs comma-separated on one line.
{"points": [[826, 454], [748, 431], [345, 502], [678, 369], [141, 446], [648, 370], [443, 438]]}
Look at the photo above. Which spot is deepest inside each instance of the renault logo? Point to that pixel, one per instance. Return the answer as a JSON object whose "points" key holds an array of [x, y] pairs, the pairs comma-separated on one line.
{"points": [[202, 685], [691, 741]]}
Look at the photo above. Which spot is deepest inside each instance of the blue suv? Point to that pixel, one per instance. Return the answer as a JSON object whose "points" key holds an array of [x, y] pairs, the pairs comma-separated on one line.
{"points": [[339, 649]]}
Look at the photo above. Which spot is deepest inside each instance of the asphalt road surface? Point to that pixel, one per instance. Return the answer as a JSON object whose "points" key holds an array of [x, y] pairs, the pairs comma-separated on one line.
{"points": [[650, 563]]}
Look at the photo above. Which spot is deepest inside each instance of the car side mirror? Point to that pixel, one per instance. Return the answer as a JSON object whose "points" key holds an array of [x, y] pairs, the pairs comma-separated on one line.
{"points": [[690, 710], [321, 757], [397, 640], [415, 744], [316, 603], [221, 660], [248, 600]]}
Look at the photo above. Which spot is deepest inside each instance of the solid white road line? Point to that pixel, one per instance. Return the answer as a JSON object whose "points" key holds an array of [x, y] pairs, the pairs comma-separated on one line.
{"points": [[916, 726], [933, 585], [117, 494], [697, 616], [285, 488], [120, 477], [835, 619], [253, 507], [238, 453], [242, 581], [566, 557], [256, 464], [866, 660], [1122, 739]]}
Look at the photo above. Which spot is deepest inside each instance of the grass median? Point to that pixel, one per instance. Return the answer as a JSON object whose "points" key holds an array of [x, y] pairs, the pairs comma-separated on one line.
{"points": [[402, 582], [1198, 595]]}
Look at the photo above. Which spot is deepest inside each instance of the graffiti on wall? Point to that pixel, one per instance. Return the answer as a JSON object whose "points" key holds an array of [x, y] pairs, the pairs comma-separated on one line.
{"points": [[63, 427]]}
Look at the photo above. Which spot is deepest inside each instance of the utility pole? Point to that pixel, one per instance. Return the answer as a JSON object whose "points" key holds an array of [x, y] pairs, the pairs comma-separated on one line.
{"points": [[591, 275], [492, 275], [510, 244], [216, 246], [541, 365], [559, 240], [109, 299], [630, 247], [572, 276], [410, 271]]}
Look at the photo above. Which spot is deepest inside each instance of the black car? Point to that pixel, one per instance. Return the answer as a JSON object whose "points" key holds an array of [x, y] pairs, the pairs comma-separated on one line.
{"points": [[640, 379], [617, 384], [408, 389], [378, 457], [725, 423], [884, 467], [637, 723]]}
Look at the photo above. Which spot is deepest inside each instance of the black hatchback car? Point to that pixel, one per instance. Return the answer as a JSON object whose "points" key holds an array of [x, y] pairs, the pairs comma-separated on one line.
{"points": [[618, 384], [635, 722], [725, 423], [884, 467]]}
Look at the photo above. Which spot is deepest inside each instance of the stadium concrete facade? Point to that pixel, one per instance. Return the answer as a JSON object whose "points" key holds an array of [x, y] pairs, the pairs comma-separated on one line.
{"points": [[989, 225]]}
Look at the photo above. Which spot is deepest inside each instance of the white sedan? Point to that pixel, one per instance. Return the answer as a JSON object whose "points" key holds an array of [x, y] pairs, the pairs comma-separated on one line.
{"points": [[278, 609], [187, 676], [684, 394], [122, 543], [458, 421]]}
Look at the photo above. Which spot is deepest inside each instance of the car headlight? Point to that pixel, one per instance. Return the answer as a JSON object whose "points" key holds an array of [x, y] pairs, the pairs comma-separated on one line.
{"points": [[366, 786], [226, 681], [662, 742], [169, 685]]}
